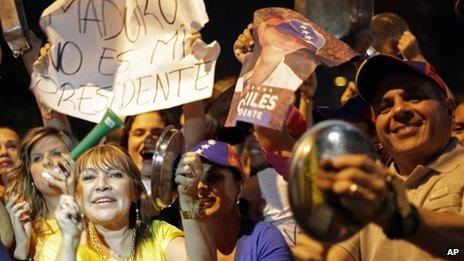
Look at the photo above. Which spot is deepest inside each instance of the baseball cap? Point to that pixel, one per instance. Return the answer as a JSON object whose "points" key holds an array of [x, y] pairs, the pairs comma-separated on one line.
{"points": [[374, 69], [219, 153], [355, 109]]}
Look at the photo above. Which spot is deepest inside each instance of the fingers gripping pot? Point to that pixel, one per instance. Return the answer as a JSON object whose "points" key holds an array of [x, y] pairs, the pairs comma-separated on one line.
{"points": [[168, 152], [319, 213]]}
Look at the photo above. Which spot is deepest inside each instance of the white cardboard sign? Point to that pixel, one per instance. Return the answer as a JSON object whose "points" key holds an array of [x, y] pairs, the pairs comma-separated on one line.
{"points": [[132, 56]]}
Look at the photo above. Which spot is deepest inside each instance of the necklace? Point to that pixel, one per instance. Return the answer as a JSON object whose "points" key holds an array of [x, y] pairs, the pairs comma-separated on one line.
{"points": [[96, 244]]}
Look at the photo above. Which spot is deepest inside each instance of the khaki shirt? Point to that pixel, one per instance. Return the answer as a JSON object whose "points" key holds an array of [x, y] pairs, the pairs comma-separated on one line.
{"points": [[436, 186]]}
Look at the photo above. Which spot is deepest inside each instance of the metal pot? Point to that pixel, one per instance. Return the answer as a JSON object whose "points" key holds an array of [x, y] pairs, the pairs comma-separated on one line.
{"points": [[168, 152], [319, 213]]}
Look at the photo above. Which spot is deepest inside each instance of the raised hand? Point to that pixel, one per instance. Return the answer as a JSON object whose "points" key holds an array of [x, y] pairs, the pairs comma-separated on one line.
{"points": [[308, 249], [244, 43], [69, 218], [350, 91], [22, 226], [409, 47], [61, 176], [30, 57], [41, 64], [360, 182], [188, 174]]}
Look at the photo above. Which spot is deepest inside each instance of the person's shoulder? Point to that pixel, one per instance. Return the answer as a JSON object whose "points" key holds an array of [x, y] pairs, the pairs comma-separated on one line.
{"points": [[260, 229], [267, 228], [270, 243], [160, 235], [160, 226], [449, 160]]}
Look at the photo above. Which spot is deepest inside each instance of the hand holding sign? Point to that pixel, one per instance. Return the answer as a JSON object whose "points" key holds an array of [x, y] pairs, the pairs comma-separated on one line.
{"points": [[130, 56], [244, 43], [287, 49]]}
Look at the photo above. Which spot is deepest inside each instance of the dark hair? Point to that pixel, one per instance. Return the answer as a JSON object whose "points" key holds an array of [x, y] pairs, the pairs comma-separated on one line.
{"points": [[460, 98], [165, 116], [238, 176]]}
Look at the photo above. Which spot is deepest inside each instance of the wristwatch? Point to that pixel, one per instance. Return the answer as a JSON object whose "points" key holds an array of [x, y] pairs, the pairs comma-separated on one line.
{"points": [[405, 218], [197, 211]]}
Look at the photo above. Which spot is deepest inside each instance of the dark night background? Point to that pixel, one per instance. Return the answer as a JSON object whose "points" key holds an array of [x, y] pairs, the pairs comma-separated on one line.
{"points": [[434, 23]]}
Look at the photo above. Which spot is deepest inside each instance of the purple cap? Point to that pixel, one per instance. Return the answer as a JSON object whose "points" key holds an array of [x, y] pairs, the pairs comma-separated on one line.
{"points": [[219, 153]]}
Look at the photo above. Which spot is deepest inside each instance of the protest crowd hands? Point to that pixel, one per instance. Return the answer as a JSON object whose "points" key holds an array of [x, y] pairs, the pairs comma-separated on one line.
{"points": [[308, 249], [360, 182], [188, 175], [244, 43], [30, 57], [191, 43], [41, 64], [361, 185], [409, 47], [69, 217], [60, 175], [22, 225], [349, 93]]}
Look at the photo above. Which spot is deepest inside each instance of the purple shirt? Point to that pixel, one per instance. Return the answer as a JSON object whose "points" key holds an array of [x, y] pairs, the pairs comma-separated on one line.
{"points": [[3, 253], [261, 241]]}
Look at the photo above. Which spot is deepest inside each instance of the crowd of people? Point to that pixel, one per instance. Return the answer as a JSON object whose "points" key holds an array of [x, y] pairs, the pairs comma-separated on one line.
{"points": [[232, 201]]}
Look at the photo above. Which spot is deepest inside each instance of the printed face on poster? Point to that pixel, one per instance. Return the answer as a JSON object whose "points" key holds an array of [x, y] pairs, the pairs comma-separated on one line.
{"points": [[288, 47], [130, 56]]}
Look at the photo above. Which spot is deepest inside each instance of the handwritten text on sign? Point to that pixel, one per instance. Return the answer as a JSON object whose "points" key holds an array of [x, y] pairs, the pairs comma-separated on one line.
{"points": [[131, 56]]}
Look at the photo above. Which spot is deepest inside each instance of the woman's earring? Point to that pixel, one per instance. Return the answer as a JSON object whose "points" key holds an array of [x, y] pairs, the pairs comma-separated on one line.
{"points": [[138, 221]]}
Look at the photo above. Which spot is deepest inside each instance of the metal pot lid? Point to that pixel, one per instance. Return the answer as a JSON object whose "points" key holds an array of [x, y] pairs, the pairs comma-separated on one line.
{"points": [[341, 18], [318, 213], [168, 151]]}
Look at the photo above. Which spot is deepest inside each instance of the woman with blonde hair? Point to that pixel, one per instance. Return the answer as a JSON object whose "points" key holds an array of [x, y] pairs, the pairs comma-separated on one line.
{"points": [[109, 194], [34, 188]]}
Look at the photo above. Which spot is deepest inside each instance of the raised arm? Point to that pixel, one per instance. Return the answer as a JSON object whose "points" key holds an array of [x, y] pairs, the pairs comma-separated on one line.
{"points": [[409, 47], [71, 224], [195, 122], [199, 240], [32, 61], [308, 90], [22, 227], [439, 232]]}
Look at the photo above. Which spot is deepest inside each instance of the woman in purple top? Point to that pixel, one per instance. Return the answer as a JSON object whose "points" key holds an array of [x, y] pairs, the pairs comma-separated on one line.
{"points": [[221, 184]]}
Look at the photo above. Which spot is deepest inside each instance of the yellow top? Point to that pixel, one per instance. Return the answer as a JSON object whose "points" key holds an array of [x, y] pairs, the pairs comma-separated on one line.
{"points": [[46, 239], [152, 248]]}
